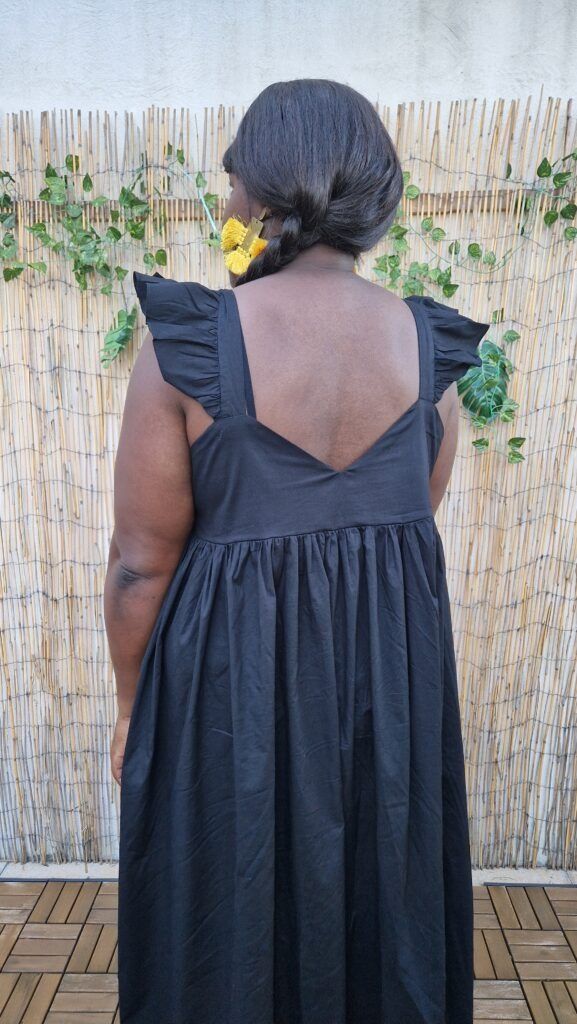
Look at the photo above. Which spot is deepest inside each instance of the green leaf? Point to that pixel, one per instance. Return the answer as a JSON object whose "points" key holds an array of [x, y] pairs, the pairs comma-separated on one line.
{"points": [[570, 234], [130, 201], [474, 250], [100, 201], [55, 192], [511, 335], [160, 257], [135, 229], [483, 389], [412, 191], [489, 258], [544, 169], [201, 181], [437, 234], [11, 272], [561, 178], [455, 247], [515, 456], [568, 211], [180, 156], [550, 217], [482, 443], [449, 289], [9, 248], [516, 442], [87, 183], [113, 234], [72, 162], [479, 422], [400, 245], [508, 171], [103, 267], [413, 287], [427, 224], [140, 209], [39, 265], [118, 337], [148, 260], [397, 231], [508, 410]]}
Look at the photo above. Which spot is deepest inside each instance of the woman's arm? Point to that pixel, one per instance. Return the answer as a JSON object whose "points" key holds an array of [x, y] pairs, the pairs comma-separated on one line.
{"points": [[448, 407], [153, 517]]}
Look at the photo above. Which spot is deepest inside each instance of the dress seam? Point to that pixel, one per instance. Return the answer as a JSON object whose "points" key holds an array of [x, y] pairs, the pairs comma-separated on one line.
{"points": [[305, 533]]}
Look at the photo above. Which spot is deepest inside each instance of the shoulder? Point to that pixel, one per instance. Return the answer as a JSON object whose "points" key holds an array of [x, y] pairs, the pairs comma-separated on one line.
{"points": [[455, 340], [182, 317]]}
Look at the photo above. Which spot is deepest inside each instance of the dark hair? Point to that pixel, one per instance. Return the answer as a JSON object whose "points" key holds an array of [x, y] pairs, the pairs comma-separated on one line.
{"points": [[317, 154]]}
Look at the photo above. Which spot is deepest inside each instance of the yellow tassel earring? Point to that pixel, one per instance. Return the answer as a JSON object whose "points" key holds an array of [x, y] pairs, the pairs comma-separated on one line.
{"points": [[240, 242]]}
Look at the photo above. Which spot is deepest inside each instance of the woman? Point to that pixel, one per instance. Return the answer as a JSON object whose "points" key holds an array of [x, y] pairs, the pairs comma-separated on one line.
{"points": [[294, 841]]}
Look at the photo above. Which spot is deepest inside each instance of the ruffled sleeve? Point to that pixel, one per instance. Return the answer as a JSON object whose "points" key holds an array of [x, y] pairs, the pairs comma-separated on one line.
{"points": [[182, 317], [456, 338]]}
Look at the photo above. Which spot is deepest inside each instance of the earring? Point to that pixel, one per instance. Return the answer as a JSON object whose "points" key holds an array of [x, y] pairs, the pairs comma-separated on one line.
{"points": [[241, 242]]}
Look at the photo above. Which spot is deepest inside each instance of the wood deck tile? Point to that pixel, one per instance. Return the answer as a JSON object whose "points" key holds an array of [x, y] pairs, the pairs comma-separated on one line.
{"points": [[59, 954]]}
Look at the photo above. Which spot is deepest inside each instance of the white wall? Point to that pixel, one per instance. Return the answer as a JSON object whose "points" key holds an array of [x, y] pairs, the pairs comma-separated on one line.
{"points": [[121, 54]]}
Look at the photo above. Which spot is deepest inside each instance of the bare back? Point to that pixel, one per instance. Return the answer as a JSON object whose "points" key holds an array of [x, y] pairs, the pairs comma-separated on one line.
{"points": [[334, 361]]}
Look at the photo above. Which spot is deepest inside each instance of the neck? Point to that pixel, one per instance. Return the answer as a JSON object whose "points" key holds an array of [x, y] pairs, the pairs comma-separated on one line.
{"points": [[321, 257]]}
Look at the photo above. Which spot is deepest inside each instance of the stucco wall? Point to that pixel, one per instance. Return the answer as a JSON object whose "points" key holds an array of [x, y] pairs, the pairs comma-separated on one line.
{"points": [[117, 54]]}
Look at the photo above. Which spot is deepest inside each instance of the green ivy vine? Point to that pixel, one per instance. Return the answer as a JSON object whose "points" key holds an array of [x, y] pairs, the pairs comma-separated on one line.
{"points": [[93, 254], [483, 389]]}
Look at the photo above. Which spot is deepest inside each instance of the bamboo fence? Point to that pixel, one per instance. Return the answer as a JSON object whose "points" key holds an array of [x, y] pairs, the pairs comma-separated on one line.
{"points": [[508, 529]]}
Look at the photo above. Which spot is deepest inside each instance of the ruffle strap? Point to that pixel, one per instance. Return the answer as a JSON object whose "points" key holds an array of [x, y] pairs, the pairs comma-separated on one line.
{"points": [[182, 317], [456, 338]]}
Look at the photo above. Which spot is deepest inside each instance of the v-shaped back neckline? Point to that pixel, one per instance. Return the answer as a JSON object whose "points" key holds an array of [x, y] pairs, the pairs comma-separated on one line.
{"points": [[425, 383]]}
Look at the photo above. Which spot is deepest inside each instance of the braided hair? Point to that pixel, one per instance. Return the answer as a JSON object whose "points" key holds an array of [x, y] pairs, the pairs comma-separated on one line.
{"points": [[316, 153]]}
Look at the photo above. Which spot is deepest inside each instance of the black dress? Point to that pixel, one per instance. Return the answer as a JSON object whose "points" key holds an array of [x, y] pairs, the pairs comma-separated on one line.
{"points": [[294, 843]]}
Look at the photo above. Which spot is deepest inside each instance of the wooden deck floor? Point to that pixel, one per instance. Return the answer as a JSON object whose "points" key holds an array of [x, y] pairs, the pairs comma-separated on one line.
{"points": [[58, 953]]}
